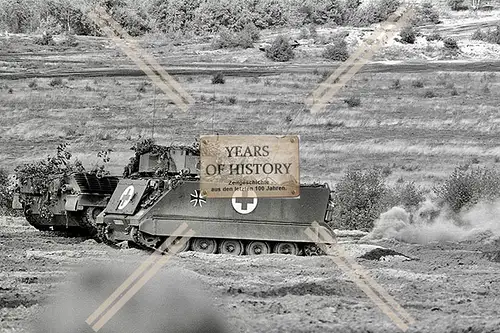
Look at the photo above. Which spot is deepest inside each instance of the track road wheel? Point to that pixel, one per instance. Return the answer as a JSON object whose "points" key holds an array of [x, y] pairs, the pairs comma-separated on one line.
{"points": [[257, 247], [185, 247], [102, 233], [88, 220], [148, 240], [286, 248], [312, 250], [205, 245], [231, 246]]}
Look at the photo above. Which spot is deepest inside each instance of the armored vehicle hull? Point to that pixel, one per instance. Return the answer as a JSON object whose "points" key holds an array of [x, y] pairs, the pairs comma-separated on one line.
{"points": [[147, 211], [70, 203]]}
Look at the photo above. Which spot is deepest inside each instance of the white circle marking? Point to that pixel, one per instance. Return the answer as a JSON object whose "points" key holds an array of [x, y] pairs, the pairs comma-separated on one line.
{"points": [[126, 197], [244, 202]]}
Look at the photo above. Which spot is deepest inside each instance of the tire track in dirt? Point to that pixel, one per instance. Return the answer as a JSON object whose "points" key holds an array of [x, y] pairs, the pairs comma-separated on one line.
{"points": [[231, 70]]}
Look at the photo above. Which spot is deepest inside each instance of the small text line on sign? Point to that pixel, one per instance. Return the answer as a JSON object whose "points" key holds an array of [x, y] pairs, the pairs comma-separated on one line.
{"points": [[265, 164]]}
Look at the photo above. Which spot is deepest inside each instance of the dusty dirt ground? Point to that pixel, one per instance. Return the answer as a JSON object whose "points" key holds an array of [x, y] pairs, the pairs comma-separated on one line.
{"points": [[449, 287]]}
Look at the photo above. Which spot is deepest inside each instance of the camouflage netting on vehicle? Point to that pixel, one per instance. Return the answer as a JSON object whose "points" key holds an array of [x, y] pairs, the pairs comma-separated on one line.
{"points": [[41, 177], [163, 152]]}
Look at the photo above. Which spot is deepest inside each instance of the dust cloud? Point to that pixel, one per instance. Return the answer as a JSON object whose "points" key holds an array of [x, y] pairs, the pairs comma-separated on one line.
{"points": [[169, 302], [432, 224]]}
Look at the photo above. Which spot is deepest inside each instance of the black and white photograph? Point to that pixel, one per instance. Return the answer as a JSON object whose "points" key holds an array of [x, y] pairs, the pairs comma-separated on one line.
{"points": [[267, 166]]}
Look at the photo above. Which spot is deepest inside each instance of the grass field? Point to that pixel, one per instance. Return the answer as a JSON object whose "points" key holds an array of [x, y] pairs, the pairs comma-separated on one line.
{"points": [[417, 136], [416, 125]]}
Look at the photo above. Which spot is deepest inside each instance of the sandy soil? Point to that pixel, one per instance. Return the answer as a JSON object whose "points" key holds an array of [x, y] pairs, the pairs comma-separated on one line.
{"points": [[448, 287]]}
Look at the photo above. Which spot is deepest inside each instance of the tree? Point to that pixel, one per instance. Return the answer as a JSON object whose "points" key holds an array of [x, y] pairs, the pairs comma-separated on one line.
{"points": [[175, 15], [476, 4], [16, 15], [70, 16]]}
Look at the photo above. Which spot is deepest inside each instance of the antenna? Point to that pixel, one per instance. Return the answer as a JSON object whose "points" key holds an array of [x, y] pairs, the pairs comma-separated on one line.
{"points": [[154, 113], [213, 110]]}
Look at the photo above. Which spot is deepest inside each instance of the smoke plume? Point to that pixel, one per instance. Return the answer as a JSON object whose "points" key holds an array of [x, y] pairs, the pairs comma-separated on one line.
{"points": [[431, 224]]}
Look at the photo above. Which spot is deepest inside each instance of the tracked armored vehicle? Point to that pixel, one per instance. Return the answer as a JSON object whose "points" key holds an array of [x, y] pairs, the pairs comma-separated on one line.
{"points": [[146, 209], [68, 203]]}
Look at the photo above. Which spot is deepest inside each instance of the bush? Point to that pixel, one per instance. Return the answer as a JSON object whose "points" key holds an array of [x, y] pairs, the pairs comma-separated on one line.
{"points": [[430, 94], [426, 14], [450, 44], [457, 5], [467, 186], [408, 35], [352, 101], [337, 51], [244, 38], [280, 50], [218, 78], [226, 39], [252, 31], [479, 35], [358, 199], [490, 36], [56, 82], [434, 37], [417, 84], [142, 87], [396, 84], [99, 168], [493, 36], [69, 40], [45, 40], [41, 174], [231, 100], [33, 84], [407, 195]]}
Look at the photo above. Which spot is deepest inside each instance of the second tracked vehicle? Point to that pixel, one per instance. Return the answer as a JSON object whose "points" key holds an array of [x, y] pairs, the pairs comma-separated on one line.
{"points": [[69, 203]]}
